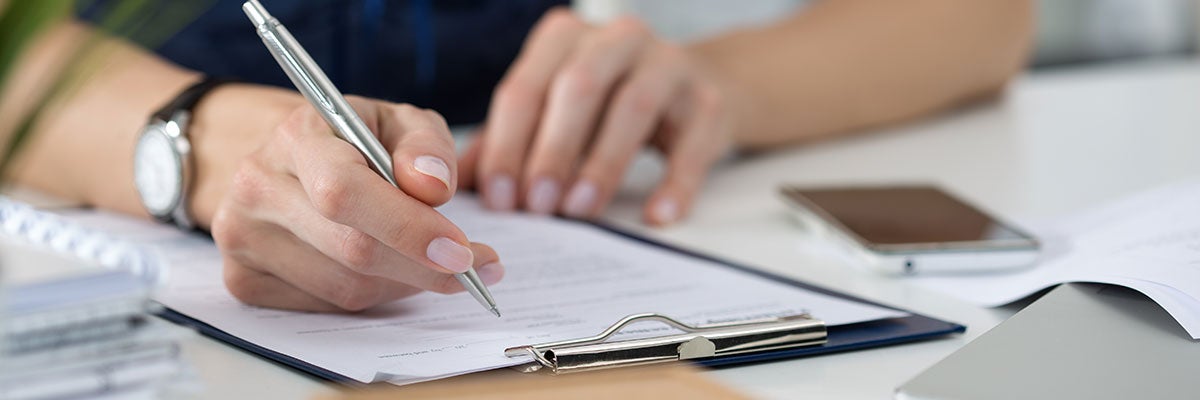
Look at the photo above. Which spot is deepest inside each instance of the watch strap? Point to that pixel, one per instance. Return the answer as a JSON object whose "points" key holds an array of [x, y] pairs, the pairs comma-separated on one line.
{"points": [[188, 98]]}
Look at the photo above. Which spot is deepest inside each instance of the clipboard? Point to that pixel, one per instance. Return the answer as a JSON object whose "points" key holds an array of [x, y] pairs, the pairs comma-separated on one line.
{"points": [[839, 338], [695, 343]]}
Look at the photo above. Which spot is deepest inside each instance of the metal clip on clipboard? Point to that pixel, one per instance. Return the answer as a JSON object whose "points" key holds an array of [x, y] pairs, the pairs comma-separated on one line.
{"points": [[697, 342]]}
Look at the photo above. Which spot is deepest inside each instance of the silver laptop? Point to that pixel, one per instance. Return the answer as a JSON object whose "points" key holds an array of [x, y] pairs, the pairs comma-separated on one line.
{"points": [[1080, 341]]}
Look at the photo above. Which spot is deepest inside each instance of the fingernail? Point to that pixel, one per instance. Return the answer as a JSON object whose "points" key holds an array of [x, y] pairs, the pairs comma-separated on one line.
{"points": [[450, 255], [490, 273], [543, 196], [581, 199], [501, 194], [666, 210], [433, 166]]}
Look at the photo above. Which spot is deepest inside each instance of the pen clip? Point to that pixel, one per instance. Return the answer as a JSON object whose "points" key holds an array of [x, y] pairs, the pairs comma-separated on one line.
{"points": [[301, 79], [286, 56]]}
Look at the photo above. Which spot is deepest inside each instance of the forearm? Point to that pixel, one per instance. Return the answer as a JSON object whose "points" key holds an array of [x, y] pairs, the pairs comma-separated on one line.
{"points": [[82, 146], [851, 64]]}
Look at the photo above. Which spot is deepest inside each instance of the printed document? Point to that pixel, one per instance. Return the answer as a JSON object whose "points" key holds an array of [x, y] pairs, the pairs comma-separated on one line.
{"points": [[563, 280], [1149, 242]]}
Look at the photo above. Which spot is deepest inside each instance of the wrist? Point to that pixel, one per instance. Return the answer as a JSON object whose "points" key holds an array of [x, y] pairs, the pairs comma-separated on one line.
{"points": [[230, 122], [739, 102]]}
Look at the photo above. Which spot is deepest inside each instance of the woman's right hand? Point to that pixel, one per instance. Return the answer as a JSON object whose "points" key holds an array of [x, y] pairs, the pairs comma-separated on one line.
{"points": [[305, 224]]}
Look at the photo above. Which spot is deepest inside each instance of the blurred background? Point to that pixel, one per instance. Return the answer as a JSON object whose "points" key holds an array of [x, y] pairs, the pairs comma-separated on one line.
{"points": [[1069, 32]]}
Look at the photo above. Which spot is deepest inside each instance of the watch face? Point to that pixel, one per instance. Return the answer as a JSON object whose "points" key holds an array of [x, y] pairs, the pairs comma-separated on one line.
{"points": [[157, 172]]}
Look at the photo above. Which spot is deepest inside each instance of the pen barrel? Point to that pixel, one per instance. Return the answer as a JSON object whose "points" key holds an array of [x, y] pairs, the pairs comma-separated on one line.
{"points": [[309, 79]]}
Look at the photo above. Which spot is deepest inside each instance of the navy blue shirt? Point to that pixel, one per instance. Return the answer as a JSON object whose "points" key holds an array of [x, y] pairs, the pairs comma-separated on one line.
{"points": [[446, 55]]}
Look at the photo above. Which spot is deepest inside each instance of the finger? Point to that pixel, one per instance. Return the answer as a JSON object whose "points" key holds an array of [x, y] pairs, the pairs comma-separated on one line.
{"points": [[422, 148], [341, 187], [573, 107], [359, 251], [702, 141], [276, 252], [487, 264], [230, 231], [632, 115], [468, 161], [246, 242], [518, 102], [265, 290], [269, 266], [252, 286]]}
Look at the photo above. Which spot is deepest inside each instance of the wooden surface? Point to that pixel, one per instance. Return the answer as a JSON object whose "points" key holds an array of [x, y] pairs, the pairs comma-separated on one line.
{"points": [[676, 381]]}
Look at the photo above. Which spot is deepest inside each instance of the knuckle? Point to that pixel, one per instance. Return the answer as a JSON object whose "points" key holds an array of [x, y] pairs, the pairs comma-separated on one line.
{"points": [[580, 81], [241, 285], [671, 57], [604, 167], [357, 294], [709, 99], [248, 184], [436, 136], [606, 170], [229, 232], [628, 27], [672, 52], [407, 112], [641, 101], [294, 125], [359, 251], [331, 196], [438, 120], [516, 93], [445, 284], [401, 229], [558, 20]]}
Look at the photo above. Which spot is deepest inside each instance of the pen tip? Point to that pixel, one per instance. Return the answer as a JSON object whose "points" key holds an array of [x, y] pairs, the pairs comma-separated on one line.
{"points": [[496, 312]]}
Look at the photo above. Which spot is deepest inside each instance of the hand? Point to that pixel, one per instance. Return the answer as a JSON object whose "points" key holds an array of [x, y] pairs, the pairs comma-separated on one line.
{"points": [[576, 106], [307, 225]]}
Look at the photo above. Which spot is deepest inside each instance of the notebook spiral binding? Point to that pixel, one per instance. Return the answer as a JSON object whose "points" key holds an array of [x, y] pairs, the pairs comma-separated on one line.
{"points": [[50, 232]]}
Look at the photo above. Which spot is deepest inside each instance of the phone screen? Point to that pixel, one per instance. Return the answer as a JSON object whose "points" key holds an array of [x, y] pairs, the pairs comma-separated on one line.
{"points": [[904, 215]]}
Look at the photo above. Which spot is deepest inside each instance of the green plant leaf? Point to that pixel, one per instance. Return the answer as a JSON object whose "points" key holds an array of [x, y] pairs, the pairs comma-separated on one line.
{"points": [[20, 22], [144, 22]]}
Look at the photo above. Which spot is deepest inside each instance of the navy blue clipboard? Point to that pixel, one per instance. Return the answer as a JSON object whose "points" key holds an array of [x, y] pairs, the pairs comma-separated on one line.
{"points": [[841, 338]]}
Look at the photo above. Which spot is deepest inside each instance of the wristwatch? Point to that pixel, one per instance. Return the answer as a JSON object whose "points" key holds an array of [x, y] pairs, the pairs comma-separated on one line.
{"points": [[162, 160]]}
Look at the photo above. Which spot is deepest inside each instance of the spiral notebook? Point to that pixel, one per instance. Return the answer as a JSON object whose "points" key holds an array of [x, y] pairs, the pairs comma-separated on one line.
{"points": [[23, 225], [75, 305], [564, 280]]}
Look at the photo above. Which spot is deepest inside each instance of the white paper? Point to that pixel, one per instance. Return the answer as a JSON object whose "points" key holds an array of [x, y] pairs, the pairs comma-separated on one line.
{"points": [[564, 280], [1149, 242]]}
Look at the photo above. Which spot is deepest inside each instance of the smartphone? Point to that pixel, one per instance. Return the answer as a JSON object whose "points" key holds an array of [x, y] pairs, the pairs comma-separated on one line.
{"points": [[913, 229]]}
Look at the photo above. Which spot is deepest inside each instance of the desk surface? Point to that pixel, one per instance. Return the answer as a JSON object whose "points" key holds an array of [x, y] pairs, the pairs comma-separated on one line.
{"points": [[1057, 141]]}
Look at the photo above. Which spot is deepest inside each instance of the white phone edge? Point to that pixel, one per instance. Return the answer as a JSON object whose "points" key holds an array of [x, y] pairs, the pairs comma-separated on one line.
{"points": [[980, 260]]}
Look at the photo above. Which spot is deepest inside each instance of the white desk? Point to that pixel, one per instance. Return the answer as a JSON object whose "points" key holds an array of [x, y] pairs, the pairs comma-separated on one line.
{"points": [[1058, 141]]}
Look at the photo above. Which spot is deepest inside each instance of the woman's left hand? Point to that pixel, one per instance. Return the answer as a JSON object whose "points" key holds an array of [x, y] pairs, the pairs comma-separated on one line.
{"points": [[579, 103]]}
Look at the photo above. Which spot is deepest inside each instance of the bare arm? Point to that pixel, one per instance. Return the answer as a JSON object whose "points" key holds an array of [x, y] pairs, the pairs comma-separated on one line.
{"points": [[850, 64], [301, 221], [581, 100], [82, 148]]}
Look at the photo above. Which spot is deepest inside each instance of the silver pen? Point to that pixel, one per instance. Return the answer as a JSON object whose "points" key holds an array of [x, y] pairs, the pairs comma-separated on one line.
{"points": [[315, 86]]}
